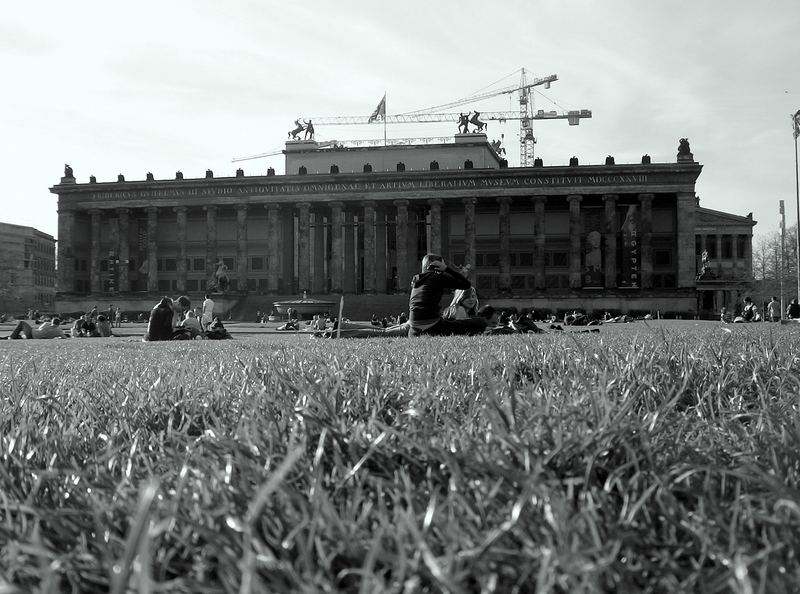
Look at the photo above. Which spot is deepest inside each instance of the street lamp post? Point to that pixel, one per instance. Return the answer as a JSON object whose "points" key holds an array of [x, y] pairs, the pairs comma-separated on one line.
{"points": [[796, 130], [783, 257]]}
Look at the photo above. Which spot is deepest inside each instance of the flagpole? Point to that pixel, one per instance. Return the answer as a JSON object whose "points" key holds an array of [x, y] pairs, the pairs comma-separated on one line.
{"points": [[384, 132]]}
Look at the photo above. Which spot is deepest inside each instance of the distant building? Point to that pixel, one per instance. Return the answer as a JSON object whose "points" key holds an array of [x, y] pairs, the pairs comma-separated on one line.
{"points": [[357, 221], [27, 269]]}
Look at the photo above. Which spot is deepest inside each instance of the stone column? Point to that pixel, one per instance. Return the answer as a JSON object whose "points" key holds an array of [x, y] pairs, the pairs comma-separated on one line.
{"points": [[273, 249], [686, 239], [381, 272], [113, 255], [181, 239], [95, 285], [123, 250], [574, 241], [152, 249], [719, 255], [748, 258], [539, 241], [505, 243], [611, 240], [369, 246], [241, 248], [303, 252], [349, 280], [211, 241], [318, 284], [436, 225], [66, 253], [469, 232], [403, 278], [337, 251], [646, 201]]}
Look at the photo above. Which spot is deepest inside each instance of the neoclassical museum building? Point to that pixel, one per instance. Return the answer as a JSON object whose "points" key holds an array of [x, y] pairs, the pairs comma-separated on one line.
{"points": [[619, 237]]}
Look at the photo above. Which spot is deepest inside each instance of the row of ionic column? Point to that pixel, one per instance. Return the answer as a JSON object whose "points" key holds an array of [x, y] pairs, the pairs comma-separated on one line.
{"points": [[339, 273]]}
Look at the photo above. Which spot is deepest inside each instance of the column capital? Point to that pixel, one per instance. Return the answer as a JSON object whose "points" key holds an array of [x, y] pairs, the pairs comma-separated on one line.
{"points": [[303, 205], [401, 203], [539, 199], [180, 209], [336, 204], [240, 207], [470, 200], [435, 201], [122, 211], [504, 200], [210, 208], [368, 203], [95, 212], [610, 197], [575, 198], [272, 206], [646, 197]]}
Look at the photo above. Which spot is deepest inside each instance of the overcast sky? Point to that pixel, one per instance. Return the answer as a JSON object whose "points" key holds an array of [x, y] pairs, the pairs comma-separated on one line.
{"points": [[160, 86]]}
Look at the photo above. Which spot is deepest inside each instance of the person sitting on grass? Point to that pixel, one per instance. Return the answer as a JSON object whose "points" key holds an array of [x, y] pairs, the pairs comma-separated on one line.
{"points": [[159, 327], [464, 305], [216, 331], [103, 327], [192, 324], [51, 329], [80, 327], [427, 289], [793, 311]]}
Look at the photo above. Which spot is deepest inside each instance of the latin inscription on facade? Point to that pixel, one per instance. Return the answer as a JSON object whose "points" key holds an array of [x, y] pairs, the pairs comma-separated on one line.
{"points": [[304, 188]]}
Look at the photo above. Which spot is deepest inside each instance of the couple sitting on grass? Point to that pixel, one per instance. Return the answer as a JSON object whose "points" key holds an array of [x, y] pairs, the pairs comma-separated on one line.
{"points": [[461, 317], [173, 319]]}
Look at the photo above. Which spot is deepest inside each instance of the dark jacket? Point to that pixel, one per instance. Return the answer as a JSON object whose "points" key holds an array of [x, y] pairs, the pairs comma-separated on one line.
{"points": [[160, 325], [427, 290]]}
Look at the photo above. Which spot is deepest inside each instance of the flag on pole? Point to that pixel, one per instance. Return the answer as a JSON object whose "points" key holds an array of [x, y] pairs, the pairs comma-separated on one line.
{"points": [[796, 123], [379, 115]]}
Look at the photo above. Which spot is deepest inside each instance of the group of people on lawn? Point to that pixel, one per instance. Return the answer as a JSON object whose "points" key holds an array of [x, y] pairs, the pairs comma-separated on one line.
{"points": [[174, 319], [750, 313], [170, 319]]}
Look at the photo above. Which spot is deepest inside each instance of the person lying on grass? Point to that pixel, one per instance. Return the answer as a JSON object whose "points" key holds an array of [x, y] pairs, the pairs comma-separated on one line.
{"points": [[427, 289], [51, 329]]}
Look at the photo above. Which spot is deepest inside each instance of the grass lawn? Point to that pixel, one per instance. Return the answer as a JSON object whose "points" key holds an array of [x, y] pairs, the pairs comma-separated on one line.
{"points": [[650, 457]]}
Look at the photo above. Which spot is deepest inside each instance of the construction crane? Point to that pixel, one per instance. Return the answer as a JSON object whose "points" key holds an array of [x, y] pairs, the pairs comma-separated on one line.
{"points": [[525, 115]]}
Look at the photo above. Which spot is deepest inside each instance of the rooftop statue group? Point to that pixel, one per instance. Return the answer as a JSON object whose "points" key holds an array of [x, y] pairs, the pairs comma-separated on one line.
{"points": [[464, 120], [306, 127]]}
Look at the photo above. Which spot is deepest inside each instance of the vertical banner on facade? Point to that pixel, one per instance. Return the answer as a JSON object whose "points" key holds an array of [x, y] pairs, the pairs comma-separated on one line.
{"points": [[593, 275], [630, 254]]}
